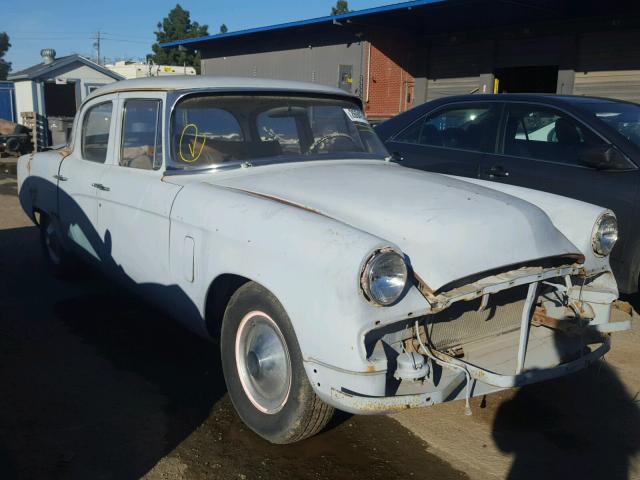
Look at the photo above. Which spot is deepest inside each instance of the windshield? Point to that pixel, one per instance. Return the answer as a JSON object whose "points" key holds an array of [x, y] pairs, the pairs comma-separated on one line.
{"points": [[209, 130], [624, 117]]}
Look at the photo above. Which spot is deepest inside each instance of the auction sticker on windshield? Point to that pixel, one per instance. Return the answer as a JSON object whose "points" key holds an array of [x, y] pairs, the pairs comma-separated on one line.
{"points": [[355, 115]]}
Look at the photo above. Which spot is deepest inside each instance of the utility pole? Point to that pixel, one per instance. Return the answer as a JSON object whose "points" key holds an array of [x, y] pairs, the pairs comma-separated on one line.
{"points": [[96, 45]]}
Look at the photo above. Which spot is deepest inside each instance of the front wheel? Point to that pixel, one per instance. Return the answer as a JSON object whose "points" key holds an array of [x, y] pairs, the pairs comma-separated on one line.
{"points": [[263, 369]]}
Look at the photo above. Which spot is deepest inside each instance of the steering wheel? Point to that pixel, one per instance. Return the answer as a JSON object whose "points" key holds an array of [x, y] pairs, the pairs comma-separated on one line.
{"points": [[331, 136]]}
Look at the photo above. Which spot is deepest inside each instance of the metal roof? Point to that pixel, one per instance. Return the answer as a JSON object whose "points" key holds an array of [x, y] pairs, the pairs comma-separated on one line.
{"points": [[42, 69], [192, 82], [312, 21], [414, 19]]}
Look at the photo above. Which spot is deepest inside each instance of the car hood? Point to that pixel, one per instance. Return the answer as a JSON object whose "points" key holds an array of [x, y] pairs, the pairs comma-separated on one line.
{"points": [[448, 228]]}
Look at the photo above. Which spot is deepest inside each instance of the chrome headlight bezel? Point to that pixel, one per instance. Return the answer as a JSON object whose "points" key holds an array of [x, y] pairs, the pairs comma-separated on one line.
{"points": [[380, 259], [605, 228]]}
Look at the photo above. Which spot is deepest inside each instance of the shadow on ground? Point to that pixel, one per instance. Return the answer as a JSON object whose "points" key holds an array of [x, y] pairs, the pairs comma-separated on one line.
{"points": [[585, 425], [97, 384]]}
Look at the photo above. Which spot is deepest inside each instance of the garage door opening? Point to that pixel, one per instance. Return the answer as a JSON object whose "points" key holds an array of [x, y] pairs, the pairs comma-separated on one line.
{"points": [[527, 79], [60, 99]]}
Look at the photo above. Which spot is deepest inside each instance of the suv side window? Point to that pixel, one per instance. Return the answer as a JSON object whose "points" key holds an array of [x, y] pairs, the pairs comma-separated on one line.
{"points": [[460, 126], [141, 145], [95, 132], [543, 133]]}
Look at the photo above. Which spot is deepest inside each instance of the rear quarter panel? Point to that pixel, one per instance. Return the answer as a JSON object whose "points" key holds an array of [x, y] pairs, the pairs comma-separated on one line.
{"points": [[37, 187]]}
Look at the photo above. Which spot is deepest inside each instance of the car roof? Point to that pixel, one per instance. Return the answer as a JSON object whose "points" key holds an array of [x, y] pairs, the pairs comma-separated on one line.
{"points": [[206, 82], [575, 100]]}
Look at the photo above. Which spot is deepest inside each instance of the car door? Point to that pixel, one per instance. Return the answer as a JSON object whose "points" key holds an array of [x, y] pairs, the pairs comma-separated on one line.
{"points": [[80, 175], [539, 148], [134, 202], [452, 139]]}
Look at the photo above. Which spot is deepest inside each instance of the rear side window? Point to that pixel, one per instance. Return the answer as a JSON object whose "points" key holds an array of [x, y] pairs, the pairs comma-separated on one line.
{"points": [[544, 133], [141, 134], [95, 132], [465, 127]]}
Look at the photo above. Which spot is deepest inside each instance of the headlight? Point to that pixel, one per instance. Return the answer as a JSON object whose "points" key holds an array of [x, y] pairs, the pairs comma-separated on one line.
{"points": [[384, 277], [605, 234]]}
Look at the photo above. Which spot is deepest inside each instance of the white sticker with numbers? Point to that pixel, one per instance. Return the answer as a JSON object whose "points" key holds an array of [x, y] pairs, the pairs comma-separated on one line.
{"points": [[356, 115]]}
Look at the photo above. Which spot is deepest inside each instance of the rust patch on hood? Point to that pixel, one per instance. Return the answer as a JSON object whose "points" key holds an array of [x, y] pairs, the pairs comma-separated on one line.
{"points": [[426, 290], [276, 199]]}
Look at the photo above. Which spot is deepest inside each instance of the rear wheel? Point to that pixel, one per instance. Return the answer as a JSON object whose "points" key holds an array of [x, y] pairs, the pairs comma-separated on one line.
{"points": [[263, 369], [58, 259]]}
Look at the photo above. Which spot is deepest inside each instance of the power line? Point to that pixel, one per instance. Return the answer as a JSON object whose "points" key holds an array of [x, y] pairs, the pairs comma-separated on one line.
{"points": [[49, 37], [19, 32], [94, 37], [118, 35], [146, 42]]}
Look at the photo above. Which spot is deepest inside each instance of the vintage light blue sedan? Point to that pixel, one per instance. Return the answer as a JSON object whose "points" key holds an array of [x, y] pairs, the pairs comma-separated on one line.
{"points": [[266, 215]]}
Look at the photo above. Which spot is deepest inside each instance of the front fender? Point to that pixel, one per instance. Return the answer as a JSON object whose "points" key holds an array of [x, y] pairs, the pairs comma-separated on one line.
{"points": [[309, 261], [574, 218]]}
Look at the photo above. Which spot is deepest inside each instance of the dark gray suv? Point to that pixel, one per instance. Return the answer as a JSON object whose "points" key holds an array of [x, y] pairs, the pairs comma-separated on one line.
{"points": [[581, 147]]}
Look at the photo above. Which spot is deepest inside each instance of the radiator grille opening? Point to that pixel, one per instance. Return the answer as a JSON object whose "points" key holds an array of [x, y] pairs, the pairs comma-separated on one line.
{"points": [[462, 323]]}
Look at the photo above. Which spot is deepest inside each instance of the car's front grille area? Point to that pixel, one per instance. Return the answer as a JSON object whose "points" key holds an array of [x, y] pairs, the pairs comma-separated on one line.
{"points": [[462, 323]]}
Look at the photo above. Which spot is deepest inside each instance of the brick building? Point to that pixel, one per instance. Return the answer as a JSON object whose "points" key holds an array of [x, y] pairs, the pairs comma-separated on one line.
{"points": [[397, 56]]}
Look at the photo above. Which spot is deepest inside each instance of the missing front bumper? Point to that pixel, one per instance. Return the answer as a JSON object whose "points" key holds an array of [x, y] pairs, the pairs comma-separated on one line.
{"points": [[362, 404]]}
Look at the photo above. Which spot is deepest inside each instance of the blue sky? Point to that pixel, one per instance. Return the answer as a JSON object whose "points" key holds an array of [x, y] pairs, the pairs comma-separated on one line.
{"points": [[69, 25]]}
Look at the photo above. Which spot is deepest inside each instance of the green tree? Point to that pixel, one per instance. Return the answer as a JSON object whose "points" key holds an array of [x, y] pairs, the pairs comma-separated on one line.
{"points": [[342, 6], [177, 26], [5, 67], [223, 28]]}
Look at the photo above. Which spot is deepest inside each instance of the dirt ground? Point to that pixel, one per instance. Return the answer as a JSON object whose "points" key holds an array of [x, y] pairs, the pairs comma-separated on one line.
{"points": [[95, 384]]}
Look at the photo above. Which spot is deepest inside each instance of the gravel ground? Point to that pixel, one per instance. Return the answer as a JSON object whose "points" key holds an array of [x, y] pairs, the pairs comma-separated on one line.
{"points": [[96, 384]]}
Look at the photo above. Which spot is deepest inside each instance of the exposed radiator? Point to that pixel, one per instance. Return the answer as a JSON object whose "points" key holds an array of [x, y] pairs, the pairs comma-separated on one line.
{"points": [[462, 323]]}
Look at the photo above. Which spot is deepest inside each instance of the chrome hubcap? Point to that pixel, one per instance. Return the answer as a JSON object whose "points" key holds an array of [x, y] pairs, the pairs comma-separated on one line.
{"points": [[52, 243], [263, 363]]}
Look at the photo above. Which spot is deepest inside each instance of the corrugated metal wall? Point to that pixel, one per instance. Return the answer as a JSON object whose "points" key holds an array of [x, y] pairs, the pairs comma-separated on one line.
{"points": [[623, 85], [609, 66], [318, 64], [536, 51], [451, 86], [455, 69], [606, 63]]}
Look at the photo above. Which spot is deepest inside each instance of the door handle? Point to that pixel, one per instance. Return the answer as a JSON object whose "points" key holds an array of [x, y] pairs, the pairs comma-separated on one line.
{"points": [[99, 186], [496, 171], [60, 178]]}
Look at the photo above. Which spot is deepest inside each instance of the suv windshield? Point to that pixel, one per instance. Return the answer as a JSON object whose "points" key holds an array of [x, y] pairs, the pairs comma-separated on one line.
{"points": [[209, 130], [624, 117]]}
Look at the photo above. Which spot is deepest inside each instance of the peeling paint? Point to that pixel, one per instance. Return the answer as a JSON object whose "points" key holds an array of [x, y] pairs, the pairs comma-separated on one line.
{"points": [[492, 284], [276, 199]]}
